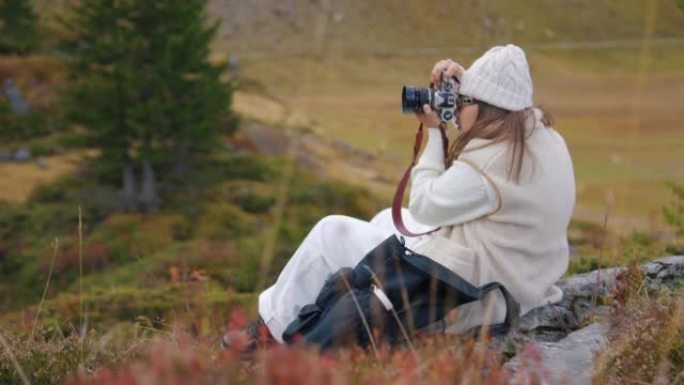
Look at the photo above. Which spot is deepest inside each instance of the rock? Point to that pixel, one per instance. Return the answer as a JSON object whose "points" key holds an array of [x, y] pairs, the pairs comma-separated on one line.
{"points": [[583, 300], [570, 360], [42, 163], [555, 330], [548, 323], [338, 17], [664, 271], [233, 63], [22, 155], [16, 99]]}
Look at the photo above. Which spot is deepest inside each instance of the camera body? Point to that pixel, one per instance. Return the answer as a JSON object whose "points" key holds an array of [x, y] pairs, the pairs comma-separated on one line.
{"points": [[442, 100]]}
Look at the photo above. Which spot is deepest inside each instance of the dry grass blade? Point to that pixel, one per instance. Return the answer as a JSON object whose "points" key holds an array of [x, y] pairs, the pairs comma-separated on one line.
{"points": [[405, 298], [279, 210], [486, 322], [645, 57], [398, 320], [594, 298], [55, 247], [80, 281], [363, 319]]}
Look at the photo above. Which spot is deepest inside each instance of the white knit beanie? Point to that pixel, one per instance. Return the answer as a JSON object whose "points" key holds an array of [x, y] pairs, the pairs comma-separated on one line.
{"points": [[500, 77]]}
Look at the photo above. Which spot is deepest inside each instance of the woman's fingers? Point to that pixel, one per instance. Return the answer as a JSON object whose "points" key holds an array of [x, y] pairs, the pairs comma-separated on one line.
{"points": [[426, 111], [448, 67], [437, 70], [428, 117], [454, 69]]}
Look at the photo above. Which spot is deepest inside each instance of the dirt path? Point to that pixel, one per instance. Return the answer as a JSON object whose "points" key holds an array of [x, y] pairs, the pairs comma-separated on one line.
{"points": [[271, 129]]}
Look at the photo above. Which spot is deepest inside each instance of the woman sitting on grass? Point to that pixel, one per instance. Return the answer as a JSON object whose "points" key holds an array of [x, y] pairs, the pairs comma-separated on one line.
{"points": [[503, 203]]}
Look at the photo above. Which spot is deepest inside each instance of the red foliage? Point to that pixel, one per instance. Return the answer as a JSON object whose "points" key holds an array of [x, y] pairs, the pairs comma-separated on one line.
{"points": [[435, 360]]}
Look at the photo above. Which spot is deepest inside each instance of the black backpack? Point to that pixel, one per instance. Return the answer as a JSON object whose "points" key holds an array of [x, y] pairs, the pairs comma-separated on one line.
{"points": [[392, 293]]}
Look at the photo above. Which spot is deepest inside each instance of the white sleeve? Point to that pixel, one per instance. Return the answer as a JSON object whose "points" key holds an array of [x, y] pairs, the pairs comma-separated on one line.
{"points": [[442, 197]]}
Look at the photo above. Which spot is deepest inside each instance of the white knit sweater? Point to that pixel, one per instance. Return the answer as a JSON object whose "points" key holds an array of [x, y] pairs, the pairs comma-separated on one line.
{"points": [[522, 242], [442, 197]]}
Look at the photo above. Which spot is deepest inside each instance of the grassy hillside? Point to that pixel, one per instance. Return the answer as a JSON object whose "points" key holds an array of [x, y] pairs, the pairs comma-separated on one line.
{"points": [[385, 25], [409, 27], [625, 142], [321, 82], [214, 228], [616, 103], [341, 65], [335, 70], [338, 67]]}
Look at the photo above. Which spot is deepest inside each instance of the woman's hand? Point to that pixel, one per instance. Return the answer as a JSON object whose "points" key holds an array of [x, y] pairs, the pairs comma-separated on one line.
{"points": [[428, 117], [449, 68]]}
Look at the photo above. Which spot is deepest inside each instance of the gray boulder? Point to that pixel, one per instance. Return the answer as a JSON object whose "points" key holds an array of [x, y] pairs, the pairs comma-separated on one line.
{"points": [[556, 330], [664, 271], [22, 155], [568, 361], [583, 300], [42, 163], [16, 98]]}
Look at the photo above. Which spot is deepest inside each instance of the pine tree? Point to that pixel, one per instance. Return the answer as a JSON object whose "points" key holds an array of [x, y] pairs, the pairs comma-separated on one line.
{"points": [[141, 83], [18, 27]]}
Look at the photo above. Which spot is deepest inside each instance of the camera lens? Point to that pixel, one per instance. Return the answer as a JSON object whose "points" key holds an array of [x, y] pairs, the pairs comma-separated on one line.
{"points": [[413, 98]]}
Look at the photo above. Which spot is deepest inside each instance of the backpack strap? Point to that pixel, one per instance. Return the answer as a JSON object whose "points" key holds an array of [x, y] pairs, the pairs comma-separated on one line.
{"points": [[512, 320], [469, 291], [401, 187]]}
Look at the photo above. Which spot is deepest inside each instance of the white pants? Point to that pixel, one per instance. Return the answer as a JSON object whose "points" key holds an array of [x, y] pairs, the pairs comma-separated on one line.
{"points": [[335, 242]]}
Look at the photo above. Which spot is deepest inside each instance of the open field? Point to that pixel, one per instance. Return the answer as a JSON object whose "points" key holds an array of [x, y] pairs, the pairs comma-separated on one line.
{"points": [[626, 142], [616, 100]]}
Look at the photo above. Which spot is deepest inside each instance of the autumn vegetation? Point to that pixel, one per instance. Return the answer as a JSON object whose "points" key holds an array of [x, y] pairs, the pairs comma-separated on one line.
{"points": [[159, 219]]}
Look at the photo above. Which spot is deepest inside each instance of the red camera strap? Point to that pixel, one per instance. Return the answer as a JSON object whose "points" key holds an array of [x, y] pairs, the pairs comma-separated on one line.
{"points": [[401, 188]]}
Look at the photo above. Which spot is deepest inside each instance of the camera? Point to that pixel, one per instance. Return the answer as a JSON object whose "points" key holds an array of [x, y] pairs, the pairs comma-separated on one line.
{"points": [[442, 99]]}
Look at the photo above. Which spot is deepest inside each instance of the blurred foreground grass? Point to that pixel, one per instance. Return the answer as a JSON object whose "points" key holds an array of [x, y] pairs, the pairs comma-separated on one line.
{"points": [[646, 345]]}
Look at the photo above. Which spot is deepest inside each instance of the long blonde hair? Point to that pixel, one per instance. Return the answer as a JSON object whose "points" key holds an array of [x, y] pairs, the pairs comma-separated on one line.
{"points": [[499, 125]]}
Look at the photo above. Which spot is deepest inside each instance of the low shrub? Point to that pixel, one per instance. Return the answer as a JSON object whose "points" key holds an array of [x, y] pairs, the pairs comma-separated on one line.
{"points": [[336, 197], [49, 361], [253, 197], [23, 126], [248, 167], [74, 140], [645, 337], [435, 361], [583, 264], [674, 216], [225, 221], [185, 301]]}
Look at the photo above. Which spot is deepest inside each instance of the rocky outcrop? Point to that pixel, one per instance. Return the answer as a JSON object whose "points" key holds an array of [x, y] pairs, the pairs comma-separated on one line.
{"points": [[566, 345], [569, 361], [584, 296]]}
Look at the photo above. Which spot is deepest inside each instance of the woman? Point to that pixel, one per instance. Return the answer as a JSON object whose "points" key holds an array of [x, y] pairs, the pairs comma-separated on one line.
{"points": [[503, 204]]}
